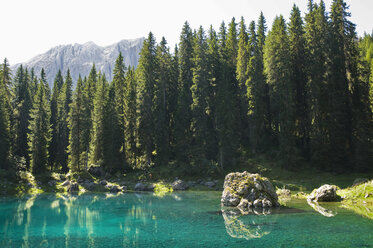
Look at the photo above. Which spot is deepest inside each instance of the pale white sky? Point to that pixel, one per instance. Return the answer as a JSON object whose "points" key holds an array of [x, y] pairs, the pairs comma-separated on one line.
{"points": [[31, 27]]}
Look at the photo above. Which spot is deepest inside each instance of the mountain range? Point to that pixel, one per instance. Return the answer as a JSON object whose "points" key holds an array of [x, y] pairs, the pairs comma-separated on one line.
{"points": [[79, 58]]}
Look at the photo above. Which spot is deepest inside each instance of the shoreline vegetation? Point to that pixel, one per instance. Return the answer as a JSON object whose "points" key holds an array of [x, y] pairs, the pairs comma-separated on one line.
{"points": [[293, 104]]}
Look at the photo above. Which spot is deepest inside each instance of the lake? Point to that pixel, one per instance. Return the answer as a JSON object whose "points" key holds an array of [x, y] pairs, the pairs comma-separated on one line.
{"points": [[186, 219]]}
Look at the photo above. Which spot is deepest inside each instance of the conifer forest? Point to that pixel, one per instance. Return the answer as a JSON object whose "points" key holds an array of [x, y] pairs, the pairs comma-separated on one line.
{"points": [[299, 92]]}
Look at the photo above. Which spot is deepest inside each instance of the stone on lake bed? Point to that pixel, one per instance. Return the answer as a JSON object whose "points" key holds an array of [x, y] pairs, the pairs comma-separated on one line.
{"points": [[245, 190]]}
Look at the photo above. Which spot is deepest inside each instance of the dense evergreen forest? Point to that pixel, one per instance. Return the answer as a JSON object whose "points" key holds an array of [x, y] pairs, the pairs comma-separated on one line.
{"points": [[300, 93]]}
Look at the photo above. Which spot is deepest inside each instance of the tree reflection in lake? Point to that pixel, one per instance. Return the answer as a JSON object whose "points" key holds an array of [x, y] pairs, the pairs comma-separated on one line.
{"points": [[40, 219]]}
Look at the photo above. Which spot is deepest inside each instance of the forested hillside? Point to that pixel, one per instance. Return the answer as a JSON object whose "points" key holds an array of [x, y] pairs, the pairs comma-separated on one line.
{"points": [[300, 92]]}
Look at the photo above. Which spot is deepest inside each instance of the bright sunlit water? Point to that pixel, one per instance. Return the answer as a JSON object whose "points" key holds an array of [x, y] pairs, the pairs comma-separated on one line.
{"points": [[188, 219]]}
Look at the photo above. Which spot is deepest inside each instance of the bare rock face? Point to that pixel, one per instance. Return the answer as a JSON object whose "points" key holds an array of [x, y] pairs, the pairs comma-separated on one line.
{"points": [[245, 190], [326, 193], [79, 58]]}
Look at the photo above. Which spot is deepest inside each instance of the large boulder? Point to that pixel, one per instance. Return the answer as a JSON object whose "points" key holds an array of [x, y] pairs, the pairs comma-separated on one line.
{"points": [[179, 185], [326, 193], [245, 190]]}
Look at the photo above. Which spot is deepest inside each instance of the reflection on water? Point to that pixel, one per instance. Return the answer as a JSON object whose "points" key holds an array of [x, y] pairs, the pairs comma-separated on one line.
{"points": [[185, 219], [48, 216], [322, 210], [245, 226]]}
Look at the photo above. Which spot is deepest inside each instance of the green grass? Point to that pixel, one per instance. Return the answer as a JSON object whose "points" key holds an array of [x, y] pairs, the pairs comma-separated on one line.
{"points": [[361, 192]]}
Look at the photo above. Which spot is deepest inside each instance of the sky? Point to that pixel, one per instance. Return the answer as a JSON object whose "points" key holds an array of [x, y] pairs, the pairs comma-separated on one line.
{"points": [[34, 26]]}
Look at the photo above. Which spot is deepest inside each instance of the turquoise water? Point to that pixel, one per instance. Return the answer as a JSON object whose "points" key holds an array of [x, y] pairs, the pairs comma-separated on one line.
{"points": [[188, 219]]}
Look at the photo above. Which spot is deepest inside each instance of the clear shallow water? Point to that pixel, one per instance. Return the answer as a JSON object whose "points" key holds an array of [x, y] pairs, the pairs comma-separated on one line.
{"points": [[188, 219]]}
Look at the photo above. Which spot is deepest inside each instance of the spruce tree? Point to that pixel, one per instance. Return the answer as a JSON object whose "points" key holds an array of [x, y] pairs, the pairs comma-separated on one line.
{"points": [[76, 123], [6, 83], [200, 95], [279, 71], [183, 112], [22, 105], [119, 101], [53, 148], [243, 58], [161, 108], [130, 117], [317, 50], [63, 108], [4, 132], [111, 151], [96, 151], [340, 112], [225, 115], [146, 76], [299, 78], [40, 132], [88, 96]]}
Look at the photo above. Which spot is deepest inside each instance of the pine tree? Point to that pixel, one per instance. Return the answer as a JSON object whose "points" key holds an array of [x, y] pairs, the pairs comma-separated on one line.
{"points": [[200, 95], [4, 132], [183, 112], [96, 151], [63, 108], [278, 71], [53, 148], [40, 132], [119, 101], [111, 151], [6, 83], [243, 58], [230, 55], [22, 105], [130, 117], [77, 123], [146, 76], [317, 50], [299, 78], [221, 75], [339, 124], [46, 84], [161, 108], [258, 91], [88, 96]]}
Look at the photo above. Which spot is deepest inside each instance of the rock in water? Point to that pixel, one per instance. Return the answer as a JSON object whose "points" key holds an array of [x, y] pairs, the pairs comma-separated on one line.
{"points": [[73, 187], [247, 190], [326, 193], [179, 185]]}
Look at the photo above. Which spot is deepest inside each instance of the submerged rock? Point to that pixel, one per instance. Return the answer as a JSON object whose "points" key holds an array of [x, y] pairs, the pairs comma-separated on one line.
{"points": [[326, 193], [179, 185], [245, 190]]}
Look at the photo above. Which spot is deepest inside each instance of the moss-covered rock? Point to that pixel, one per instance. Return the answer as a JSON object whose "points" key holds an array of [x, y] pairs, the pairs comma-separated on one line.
{"points": [[326, 193], [250, 189]]}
